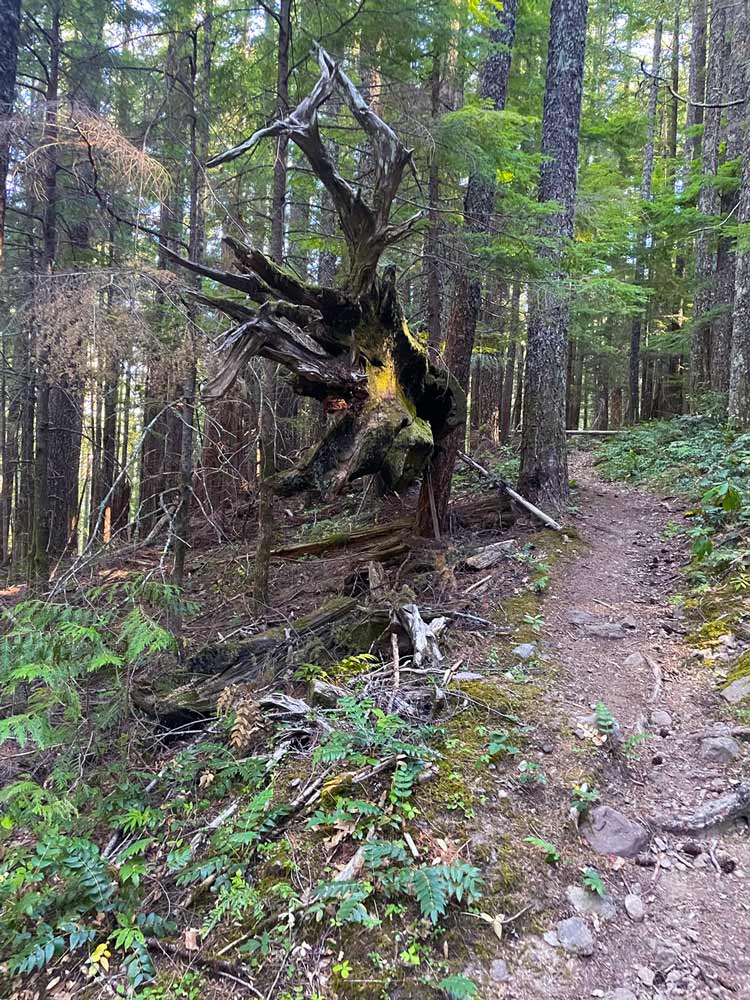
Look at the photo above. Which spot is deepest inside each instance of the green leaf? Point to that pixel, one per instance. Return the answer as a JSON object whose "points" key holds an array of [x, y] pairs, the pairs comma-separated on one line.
{"points": [[593, 881], [551, 853], [431, 891], [458, 987]]}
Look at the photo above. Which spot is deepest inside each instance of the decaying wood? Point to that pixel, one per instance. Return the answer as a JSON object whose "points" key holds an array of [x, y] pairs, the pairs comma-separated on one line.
{"points": [[336, 629], [424, 637], [725, 809], [348, 346], [491, 555], [194, 688], [516, 497], [344, 539]]}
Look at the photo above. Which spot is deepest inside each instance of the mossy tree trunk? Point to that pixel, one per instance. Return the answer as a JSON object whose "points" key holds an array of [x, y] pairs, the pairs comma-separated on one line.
{"points": [[348, 347]]}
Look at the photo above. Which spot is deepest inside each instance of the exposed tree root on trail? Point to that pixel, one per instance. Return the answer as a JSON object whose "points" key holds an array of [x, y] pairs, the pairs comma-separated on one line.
{"points": [[734, 805]]}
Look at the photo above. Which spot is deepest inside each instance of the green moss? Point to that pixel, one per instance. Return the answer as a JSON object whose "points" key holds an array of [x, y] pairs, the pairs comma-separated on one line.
{"points": [[740, 668], [710, 633], [512, 612]]}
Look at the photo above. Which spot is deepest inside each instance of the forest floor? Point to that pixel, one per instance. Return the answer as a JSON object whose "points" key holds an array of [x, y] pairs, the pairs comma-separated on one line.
{"points": [[690, 936], [567, 622]]}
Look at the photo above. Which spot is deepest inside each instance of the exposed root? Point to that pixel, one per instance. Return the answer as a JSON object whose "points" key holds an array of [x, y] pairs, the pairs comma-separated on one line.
{"points": [[725, 809]]}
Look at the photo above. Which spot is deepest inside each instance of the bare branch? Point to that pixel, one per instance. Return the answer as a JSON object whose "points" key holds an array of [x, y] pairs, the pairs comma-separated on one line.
{"points": [[686, 100]]}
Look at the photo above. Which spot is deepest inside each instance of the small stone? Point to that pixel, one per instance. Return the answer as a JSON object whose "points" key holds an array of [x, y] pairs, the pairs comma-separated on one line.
{"points": [[325, 694], [499, 971], [608, 831], [575, 937], [526, 651], [540, 953], [588, 904], [646, 975], [636, 661], [737, 691], [576, 617], [661, 719], [719, 750], [605, 630], [468, 675], [620, 994], [634, 907]]}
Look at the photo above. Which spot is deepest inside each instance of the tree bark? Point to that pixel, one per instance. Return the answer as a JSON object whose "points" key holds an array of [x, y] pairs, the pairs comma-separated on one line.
{"points": [[636, 329], [10, 19], [510, 361], [478, 204], [721, 339], [199, 85], [432, 233], [696, 80], [709, 204], [267, 426], [544, 474], [739, 374], [39, 560]]}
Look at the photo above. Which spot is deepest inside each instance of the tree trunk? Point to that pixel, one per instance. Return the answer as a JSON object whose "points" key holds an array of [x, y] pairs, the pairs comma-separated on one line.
{"points": [[65, 426], [267, 426], [510, 360], [721, 339], [544, 473], [739, 374], [199, 118], [432, 232], [636, 328], [478, 204], [697, 80], [39, 561], [709, 204], [520, 381], [10, 19], [160, 456]]}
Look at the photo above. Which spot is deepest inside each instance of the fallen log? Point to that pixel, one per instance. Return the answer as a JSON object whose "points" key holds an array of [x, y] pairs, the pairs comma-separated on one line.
{"points": [[344, 539], [493, 510], [596, 433], [516, 497], [192, 689]]}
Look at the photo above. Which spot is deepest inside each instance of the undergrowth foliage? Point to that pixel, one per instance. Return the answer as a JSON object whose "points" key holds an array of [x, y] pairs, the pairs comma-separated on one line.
{"points": [[64, 671], [91, 870]]}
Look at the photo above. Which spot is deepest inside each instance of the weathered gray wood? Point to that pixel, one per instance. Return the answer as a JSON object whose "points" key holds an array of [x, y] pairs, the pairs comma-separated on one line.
{"points": [[726, 808]]}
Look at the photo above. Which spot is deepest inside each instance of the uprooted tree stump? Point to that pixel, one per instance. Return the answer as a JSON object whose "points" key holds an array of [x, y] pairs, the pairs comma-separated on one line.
{"points": [[175, 692], [348, 347]]}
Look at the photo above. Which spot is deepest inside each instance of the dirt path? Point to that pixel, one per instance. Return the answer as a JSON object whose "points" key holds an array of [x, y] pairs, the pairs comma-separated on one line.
{"points": [[694, 939]]}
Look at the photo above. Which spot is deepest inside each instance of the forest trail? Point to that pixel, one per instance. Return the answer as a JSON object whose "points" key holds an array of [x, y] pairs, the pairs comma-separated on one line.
{"points": [[692, 940]]}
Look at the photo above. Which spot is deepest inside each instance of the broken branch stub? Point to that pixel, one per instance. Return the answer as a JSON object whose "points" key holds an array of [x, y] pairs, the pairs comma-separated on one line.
{"points": [[348, 347]]}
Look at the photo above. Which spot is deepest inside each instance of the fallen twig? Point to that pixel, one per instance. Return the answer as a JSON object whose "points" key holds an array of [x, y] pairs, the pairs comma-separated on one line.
{"points": [[212, 965]]}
